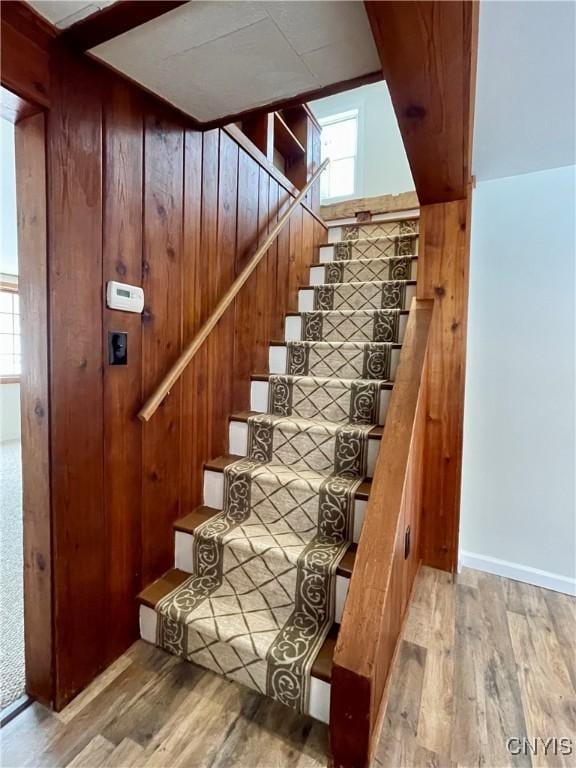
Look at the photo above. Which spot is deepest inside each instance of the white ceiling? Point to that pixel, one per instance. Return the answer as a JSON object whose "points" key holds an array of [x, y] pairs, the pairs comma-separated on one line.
{"points": [[63, 13], [526, 88], [212, 59]]}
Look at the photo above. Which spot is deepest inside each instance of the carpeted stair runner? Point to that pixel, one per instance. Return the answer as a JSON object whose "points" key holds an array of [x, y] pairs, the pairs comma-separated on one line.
{"points": [[340, 360], [351, 325], [363, 270], [261, 598]]}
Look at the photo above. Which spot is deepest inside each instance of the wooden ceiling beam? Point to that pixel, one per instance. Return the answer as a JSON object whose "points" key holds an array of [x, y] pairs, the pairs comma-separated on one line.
{"points": [[114, 20], [428, 55]]}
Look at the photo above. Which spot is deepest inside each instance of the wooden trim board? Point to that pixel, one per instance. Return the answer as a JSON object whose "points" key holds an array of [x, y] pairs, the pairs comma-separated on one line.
{"points": [[428, 54], [35, 405], [443, 277], [403, 201]]}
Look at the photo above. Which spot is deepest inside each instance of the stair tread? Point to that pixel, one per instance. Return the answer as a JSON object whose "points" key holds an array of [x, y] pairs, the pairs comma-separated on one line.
{"points": [[221, 462], [384, 383], [193, 519], [348, 311], [150, 595], [413, 256], [243, 416], [374, 239], [353, 283], [394, 344]]}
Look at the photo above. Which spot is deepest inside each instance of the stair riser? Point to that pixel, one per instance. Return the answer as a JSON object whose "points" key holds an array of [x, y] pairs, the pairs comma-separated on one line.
{"points": [[214, 497], [328, 253], [390, 222], [318, 274], [183, 561], [259, 399], [293, 329], [319, 704], [238, 444], [306, 300], [278, 361]]}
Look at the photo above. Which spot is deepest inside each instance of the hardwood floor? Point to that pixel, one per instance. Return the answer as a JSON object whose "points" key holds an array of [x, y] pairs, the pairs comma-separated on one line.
{"points": [[481, 660]]}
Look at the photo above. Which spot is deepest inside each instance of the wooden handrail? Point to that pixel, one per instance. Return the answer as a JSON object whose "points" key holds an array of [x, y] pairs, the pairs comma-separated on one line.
{"points": [[151, 405], [386, 560]]}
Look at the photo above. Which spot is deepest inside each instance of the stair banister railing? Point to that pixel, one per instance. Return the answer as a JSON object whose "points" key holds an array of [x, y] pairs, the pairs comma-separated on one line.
{"points": [[163, 389]]}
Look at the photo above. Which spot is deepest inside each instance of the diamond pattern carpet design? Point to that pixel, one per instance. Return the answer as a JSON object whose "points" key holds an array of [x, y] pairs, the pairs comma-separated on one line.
{"points": [[260, 600]]}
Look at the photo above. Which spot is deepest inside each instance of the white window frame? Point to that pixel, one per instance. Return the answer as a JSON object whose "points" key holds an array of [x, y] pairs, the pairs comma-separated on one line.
{"points": [[339, 118], [12, 290]]}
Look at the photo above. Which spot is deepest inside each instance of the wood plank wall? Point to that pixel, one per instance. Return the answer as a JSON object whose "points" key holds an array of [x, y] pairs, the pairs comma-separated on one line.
{"points": [[137, 196], [443, 277]]}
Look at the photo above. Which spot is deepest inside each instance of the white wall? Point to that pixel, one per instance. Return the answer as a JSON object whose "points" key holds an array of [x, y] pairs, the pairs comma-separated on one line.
{"points": [[8, 230], [526, 84], [9, 393], [9, 412], [518, 501], [518, 504], [382, 163]]}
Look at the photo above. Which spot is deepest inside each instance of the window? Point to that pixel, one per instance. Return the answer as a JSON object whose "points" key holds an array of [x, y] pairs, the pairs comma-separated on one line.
{"points": [[9, 332], [339, 143]]}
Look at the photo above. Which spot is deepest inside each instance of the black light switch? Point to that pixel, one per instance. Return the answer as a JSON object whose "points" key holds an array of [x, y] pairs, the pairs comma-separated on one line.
{"points": [[117, 348]]}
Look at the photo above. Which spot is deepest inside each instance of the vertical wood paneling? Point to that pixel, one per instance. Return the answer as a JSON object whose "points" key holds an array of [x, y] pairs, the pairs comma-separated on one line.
{"points": [[279, 275], [190, 481], [247, 308], [77, 437], [307, 252], [122, 261], [206, 286], [260, 279], [221, 343], [443, 276], [162, 272], [33, 289], [136, 197], [247, 225], [295, 245], [196, 428]]}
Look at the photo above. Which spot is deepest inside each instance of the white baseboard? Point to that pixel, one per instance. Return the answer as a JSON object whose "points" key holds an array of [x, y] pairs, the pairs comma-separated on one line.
{"points": [[519, 572]]}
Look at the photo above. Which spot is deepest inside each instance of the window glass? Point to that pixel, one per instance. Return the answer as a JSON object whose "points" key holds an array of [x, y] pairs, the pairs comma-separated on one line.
{"points": [[9, 334], [339, 143]]}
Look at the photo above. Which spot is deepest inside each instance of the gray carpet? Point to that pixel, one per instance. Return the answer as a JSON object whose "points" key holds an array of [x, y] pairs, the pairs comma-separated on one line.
{"points": [[11, 587]]}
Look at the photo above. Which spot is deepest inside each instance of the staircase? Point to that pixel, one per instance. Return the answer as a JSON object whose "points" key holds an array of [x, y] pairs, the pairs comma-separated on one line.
{"points": [[262, 568]]}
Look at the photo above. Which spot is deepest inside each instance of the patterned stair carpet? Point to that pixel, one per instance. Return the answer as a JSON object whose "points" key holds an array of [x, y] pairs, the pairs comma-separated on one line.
{"points": [[261, 598]]}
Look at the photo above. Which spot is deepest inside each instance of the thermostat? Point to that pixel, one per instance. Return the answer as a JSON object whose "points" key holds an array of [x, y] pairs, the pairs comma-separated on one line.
{"points": [[128, 298]]}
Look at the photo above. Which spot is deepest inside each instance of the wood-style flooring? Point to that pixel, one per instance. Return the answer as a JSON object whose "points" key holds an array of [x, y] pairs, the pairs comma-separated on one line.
{"points": [[481, 660]]}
